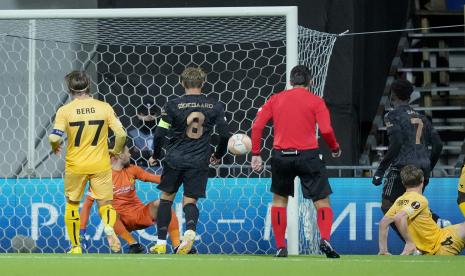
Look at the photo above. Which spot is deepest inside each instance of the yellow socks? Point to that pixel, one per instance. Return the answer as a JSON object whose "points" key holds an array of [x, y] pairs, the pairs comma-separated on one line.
{"points": [[108, 215], [72, 222]]}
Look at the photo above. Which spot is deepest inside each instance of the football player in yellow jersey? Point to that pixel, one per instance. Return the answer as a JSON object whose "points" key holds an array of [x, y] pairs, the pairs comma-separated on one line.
{"points": [[461, 192], [412, 216], [85, 122]]}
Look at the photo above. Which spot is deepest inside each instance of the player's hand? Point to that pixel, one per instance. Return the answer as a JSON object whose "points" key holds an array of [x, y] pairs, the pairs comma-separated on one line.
{"points": [[214, 161], [257, 163], [58, 149], [153, 162], [377, 179], [409, 249], [336, 153], [112, 153]]}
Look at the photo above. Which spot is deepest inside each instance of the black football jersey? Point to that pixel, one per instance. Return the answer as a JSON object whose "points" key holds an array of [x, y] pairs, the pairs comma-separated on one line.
{"points": [[416, 134], [192, 119]]}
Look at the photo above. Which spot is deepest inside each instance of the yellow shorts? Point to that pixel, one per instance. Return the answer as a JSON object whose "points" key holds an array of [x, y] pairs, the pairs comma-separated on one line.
{"points": [[462, 181], [450, 242], [100, 183]]}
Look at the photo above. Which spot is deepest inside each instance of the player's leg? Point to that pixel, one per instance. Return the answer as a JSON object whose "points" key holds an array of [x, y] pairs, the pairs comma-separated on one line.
{"points": [[74, 190], [170, 182], [315, 186], [279, 223], [173, 227], [195, 186], [283, 175], [102, 189], [441, 222], [122, 231], [84, 214], [452, 240], [392, 189]]}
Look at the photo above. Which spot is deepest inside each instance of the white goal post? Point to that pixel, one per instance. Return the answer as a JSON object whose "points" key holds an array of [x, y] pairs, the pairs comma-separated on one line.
{"points": [[133, 54]]}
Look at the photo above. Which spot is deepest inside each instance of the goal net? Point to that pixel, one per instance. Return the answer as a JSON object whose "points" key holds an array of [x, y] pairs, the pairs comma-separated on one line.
{"points": [[131, 61]]}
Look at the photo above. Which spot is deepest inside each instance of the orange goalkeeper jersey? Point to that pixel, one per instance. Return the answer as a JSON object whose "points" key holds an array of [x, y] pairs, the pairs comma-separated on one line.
{"points": [[125, 199]]}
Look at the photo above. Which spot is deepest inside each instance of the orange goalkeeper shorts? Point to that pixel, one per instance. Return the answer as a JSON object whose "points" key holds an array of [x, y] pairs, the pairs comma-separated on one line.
{"points": [[138, 219]]}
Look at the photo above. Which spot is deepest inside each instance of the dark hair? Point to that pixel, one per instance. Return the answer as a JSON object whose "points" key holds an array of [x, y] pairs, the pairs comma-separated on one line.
{"points": [[300, 75], [193, 77], [411, 176], [402, 89], [78, 82]]}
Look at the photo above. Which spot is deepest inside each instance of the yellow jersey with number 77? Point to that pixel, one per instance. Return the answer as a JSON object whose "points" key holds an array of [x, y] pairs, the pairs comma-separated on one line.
{"points": [[86, 123]]}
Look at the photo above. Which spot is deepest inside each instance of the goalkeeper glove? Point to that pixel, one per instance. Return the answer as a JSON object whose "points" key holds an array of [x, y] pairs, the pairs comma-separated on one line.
{"points": [[83, 239]]}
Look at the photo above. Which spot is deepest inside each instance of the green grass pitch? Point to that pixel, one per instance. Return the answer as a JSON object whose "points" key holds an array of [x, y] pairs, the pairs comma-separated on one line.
{"points": [[219, 265]]}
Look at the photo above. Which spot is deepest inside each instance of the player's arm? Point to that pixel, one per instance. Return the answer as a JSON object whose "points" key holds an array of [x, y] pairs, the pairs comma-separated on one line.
{"points": [[395, 144], [159, 136], [400, 220], [145, 176], [222, 128], [324, 124], [85, 211], [120, 134], [264, 114], [383, 231], [56, 137]]}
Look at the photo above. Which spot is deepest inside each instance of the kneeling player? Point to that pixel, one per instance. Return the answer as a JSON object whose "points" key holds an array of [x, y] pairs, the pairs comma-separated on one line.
{"points": [[132, 213], [412, 216]]}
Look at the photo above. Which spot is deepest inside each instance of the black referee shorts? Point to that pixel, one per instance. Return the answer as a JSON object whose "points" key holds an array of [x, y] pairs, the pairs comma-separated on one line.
{"points": [[393, 187], [307, 165], [194, 180]]}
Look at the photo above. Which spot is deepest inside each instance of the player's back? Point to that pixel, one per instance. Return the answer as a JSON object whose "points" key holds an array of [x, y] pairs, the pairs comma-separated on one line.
{"points": [[416, 132], [193, 118], [421, 226], [86, 124]]}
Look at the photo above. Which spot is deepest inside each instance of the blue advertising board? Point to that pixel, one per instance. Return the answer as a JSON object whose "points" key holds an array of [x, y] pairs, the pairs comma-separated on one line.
{"points": [[234, 216]]}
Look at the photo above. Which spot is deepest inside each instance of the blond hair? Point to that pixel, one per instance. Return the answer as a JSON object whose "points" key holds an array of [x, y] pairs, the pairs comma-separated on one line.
{"points": [[411, 176], [193, 77]]}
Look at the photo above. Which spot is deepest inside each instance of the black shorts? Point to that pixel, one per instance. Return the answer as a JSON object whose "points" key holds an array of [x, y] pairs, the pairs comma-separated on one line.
{"points": [[393, 187], [194, 180], [307, 165]]}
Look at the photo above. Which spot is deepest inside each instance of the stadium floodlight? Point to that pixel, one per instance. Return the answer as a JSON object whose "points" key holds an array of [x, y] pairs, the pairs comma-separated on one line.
{"points": [[132, 54]]}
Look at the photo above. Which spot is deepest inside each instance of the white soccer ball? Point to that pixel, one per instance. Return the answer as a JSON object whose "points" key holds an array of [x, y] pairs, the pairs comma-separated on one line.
{"points": [[239, 144]]}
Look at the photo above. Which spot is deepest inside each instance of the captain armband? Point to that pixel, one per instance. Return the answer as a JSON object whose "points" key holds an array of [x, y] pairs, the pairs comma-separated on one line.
{"points": [[58, 132]]}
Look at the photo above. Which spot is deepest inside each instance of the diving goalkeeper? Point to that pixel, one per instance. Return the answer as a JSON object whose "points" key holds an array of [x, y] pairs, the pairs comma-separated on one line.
{"points": [[132, 213]]}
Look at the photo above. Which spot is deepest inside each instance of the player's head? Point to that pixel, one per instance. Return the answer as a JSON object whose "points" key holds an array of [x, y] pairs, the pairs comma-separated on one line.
{"points": [[193, 78], [78, 83], [123, 159], [301, 76], [401, 91], [412, 176]]}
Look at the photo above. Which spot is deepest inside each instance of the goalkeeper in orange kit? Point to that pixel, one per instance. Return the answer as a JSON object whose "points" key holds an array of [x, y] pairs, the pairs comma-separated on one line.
{"points": [[132, 213]]}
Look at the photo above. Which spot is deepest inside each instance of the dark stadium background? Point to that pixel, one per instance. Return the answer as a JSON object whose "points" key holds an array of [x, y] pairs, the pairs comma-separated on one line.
{"points": [[358, 67]]}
